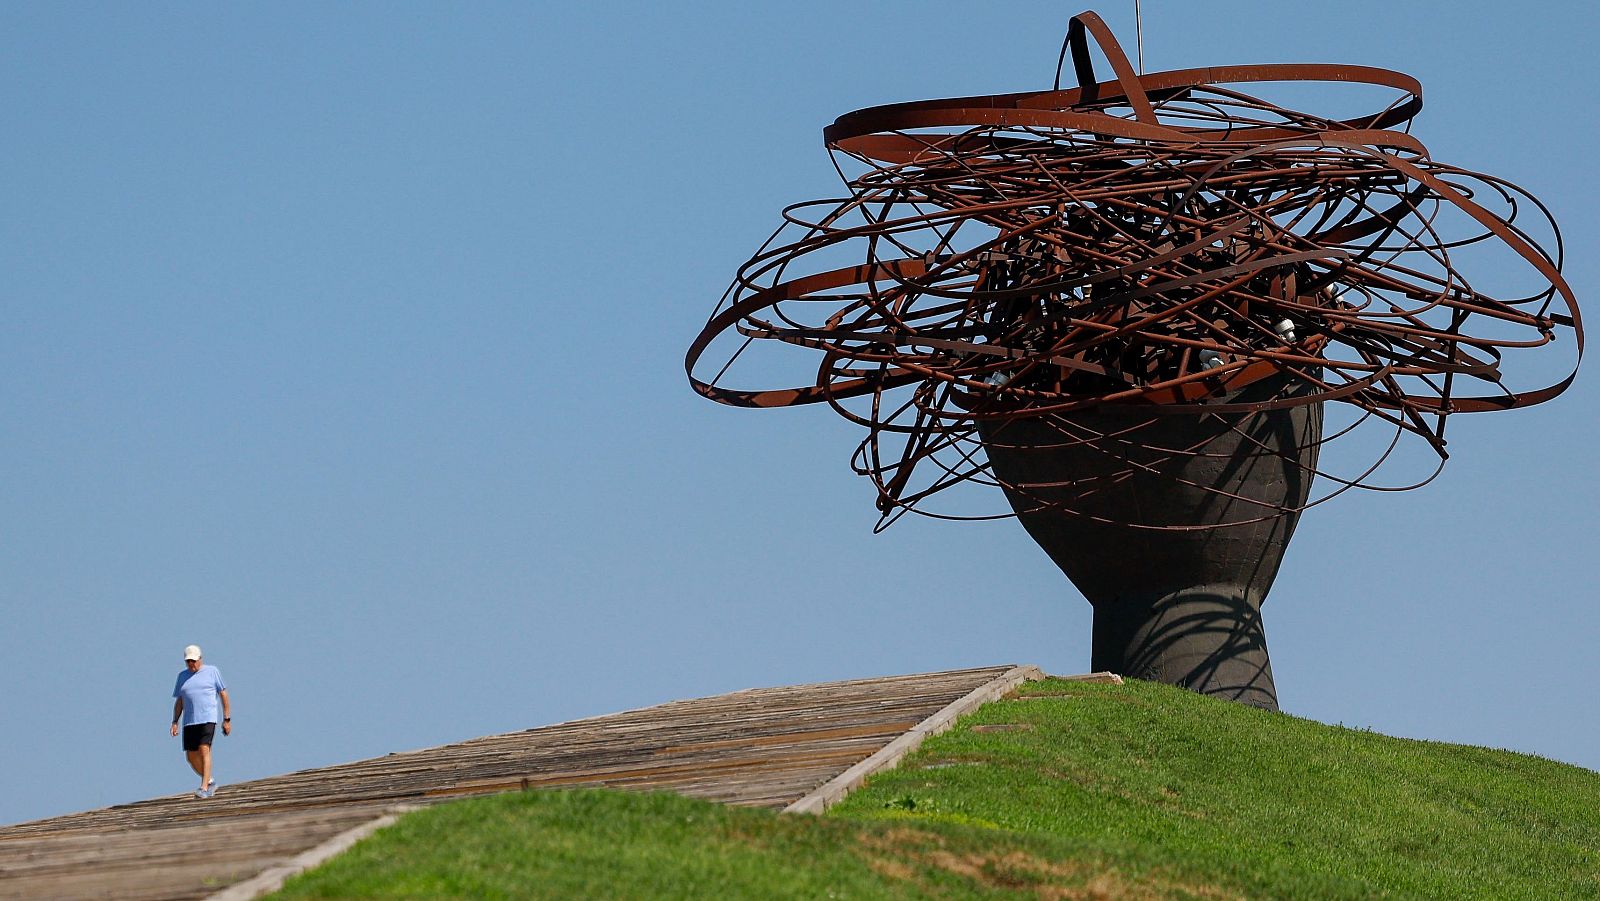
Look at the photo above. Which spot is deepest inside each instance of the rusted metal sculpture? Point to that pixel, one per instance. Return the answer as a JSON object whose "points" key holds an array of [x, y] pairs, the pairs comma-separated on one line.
{"points": [[1126, 305]]}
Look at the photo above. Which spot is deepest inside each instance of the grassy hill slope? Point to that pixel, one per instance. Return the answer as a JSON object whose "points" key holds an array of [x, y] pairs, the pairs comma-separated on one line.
{"points": [[1071, 790]]}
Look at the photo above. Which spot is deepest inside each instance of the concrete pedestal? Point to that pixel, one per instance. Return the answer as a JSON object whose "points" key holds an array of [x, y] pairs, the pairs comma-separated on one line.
{"points": [[1179, 604]]}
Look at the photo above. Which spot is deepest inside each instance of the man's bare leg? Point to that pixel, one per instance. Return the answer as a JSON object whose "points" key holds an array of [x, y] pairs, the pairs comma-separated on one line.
{"points": [[205, 763], [195, 762]]}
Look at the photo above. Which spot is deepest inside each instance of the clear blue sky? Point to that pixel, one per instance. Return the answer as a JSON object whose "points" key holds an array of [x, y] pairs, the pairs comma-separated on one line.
{"points": [[347, 342]]}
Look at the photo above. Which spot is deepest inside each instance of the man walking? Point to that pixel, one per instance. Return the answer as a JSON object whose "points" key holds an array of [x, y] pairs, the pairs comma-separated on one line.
{"points": [[199, 688]]}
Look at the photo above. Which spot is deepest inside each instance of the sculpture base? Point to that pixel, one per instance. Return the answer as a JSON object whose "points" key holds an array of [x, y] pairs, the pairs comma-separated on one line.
{"points": [[1207, 639], [1178, 602]]}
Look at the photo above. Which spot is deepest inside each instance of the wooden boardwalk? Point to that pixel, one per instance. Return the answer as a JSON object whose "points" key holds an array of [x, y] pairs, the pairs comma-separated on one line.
{"points": [[799, 747]]}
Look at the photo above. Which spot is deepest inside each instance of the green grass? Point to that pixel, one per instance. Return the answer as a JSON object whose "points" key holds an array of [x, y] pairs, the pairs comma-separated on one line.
{"points": [[1087, 791], [603, 844]]}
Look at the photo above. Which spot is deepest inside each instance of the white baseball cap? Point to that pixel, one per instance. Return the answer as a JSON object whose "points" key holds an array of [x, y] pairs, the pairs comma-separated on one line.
{"points": [[192, 652]]}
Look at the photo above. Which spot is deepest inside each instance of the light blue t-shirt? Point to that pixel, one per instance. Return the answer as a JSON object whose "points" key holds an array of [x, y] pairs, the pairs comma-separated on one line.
{"points": [[199, 692]]}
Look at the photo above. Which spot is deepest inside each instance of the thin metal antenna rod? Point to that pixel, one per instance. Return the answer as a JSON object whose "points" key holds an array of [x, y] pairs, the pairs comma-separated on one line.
{"points": [[1138, 27]]}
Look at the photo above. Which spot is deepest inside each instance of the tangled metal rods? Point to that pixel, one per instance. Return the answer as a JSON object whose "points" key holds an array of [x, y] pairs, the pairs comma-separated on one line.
{"points": [[1160, 240]]}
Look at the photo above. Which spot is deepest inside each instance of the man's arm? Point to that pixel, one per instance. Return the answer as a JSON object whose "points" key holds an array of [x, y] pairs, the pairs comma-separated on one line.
{"points": [[177, 713], [227, 727]]}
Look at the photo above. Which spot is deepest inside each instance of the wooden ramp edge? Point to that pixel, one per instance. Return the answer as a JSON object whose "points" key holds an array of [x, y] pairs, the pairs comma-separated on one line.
{"points": [[835, 789], [271, 879]]}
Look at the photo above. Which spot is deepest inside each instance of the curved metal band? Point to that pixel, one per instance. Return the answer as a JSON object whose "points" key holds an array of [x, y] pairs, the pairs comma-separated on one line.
{"points": [[853, 131]]}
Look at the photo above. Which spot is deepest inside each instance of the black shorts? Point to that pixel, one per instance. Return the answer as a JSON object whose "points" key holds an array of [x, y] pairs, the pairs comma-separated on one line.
{"points": [[198, 734]]}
